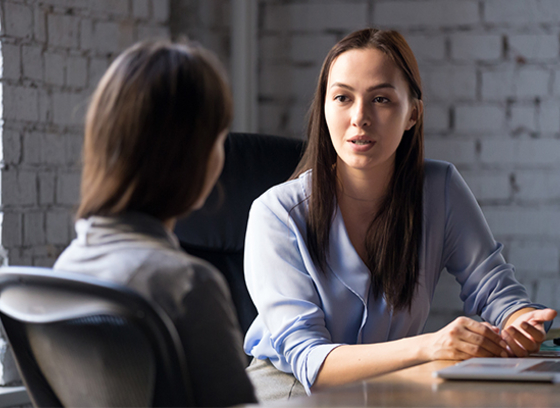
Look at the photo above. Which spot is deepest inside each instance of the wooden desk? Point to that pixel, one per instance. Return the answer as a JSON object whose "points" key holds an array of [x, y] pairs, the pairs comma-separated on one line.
{"points": [[415, 387]]}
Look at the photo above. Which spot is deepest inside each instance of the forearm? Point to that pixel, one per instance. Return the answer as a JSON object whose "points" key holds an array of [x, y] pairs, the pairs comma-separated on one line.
{"points": [[350, 363]]}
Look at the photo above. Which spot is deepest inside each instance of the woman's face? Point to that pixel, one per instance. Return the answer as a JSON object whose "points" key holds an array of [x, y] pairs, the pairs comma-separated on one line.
{"points": [[213, 169], [367, 109]]}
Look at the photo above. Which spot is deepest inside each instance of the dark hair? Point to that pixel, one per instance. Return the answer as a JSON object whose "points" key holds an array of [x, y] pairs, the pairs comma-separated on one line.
{"points": [[394, 235], [150, 128]]}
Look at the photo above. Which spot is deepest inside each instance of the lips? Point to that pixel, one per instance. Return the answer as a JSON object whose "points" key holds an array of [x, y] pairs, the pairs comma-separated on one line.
{"points": [[361, 143]]}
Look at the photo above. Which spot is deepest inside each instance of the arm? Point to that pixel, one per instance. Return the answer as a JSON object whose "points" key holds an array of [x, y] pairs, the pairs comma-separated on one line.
{"points": [[197, 299], [489, 287], [463, 338]]}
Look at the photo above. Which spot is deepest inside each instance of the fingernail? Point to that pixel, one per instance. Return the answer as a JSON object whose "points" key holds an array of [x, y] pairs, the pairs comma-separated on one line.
{"points": [[525, 325], [503, 344]]}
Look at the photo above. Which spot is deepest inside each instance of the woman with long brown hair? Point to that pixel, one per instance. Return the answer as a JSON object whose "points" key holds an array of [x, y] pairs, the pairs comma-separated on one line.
{"points": [[342, 260], [153, 150]]}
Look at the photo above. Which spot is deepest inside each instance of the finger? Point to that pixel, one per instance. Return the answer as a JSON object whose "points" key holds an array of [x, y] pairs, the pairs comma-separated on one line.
{"points": [[515, 348], [486, 337], [536, 332], [480, 346], [541, 316], [478, 350]]}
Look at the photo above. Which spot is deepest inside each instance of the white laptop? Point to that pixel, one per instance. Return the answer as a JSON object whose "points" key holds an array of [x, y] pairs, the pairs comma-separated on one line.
{"points": [[504, 369]]}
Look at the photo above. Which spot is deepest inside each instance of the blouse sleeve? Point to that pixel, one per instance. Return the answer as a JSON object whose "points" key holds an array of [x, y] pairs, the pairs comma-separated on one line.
{"points": [[471, 254], [277, 274]]}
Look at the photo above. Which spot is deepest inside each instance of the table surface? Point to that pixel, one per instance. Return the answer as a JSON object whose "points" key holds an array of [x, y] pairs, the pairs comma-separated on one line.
{"points": [[415, 387]]}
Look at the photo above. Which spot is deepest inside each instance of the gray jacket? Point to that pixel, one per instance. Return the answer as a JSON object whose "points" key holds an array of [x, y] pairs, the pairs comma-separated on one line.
{"points": [[136, 250]]}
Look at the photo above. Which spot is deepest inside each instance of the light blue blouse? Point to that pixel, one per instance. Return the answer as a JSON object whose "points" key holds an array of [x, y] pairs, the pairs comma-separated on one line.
{"points": [[303, 313]]}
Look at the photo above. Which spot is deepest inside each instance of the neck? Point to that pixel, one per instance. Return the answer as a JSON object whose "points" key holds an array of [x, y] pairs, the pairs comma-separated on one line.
{"points": [[364, 186]]}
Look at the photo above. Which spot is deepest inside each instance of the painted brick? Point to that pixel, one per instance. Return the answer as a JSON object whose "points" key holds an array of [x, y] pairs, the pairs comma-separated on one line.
{"points": [[105, 35], [52, 149], [523, 118], [450, 83], [57, 228], [547, 292], [427, 47], [55, 67], [63, 30], [97, 67], [314, 48], [455, 151], [523, 222], [47, 183], [274, 79], [76, 71], [476, 47], [556, 83], [86, 34], [45, 106], [272, 119], [427, 13], [73, 149], [18, 20], [39, 25], [12, 229], [11, 146], [32, 147], [141, 9], [315, 17], [274, 48], [522, 152], [44, 262], [68, 108], [498, 84], [534, 46], [549, 117], [127, 34], [214, 13], [160, 9], [33, 228], [20, 103], [532, 82], [490, 186], [537, 185], [436, 118], [32, 61], [304, 83], [479, 118], [11, 61], [68, 189], [148, 32], [521, 12], [114, 7], [18, 187]]}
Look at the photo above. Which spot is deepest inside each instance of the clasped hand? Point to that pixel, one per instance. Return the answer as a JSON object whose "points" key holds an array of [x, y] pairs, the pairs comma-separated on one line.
{"points": [[465, 338]]}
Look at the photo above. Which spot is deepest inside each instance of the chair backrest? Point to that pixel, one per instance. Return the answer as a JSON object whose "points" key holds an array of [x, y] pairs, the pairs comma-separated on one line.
{"points": [[216, 232], [79, 341]]}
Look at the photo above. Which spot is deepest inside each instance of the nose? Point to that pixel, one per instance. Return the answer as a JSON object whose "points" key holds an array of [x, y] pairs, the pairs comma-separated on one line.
{"points": [[360, 115]]}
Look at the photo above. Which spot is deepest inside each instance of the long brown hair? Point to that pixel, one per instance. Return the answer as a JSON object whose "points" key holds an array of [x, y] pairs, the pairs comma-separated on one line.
{"points": [[394, 235], [150, 127]]}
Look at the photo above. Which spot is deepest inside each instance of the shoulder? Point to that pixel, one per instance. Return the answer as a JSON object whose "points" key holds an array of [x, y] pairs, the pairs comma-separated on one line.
{"points": [[437, 169], [286, 197]]}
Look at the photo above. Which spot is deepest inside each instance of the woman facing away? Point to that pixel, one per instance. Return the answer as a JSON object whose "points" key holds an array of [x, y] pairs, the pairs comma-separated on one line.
{"points": [[342, 260], [153, 150]]}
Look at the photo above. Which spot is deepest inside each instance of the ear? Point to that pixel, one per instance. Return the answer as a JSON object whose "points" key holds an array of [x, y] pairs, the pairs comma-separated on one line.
{"points": [[417, 111]]}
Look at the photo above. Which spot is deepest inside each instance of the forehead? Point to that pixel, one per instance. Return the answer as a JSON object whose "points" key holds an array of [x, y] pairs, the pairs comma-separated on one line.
{"points": [[365, 65]]}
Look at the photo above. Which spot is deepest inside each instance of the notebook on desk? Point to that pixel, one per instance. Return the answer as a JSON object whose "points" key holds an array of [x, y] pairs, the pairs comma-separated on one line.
{"points": [[504, 369]]}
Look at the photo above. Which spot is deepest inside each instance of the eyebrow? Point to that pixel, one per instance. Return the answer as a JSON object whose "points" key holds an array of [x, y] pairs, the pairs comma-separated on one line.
{"points": [[371, 88]]}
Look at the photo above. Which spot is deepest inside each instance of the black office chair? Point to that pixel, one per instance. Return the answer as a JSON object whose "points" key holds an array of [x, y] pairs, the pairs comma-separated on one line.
{"points": [[79, 341], [216, 233]]}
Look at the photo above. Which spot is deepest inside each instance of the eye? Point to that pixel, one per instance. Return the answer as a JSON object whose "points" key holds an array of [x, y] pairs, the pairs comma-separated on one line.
{"points": [[381, 99], [341, 98]]}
